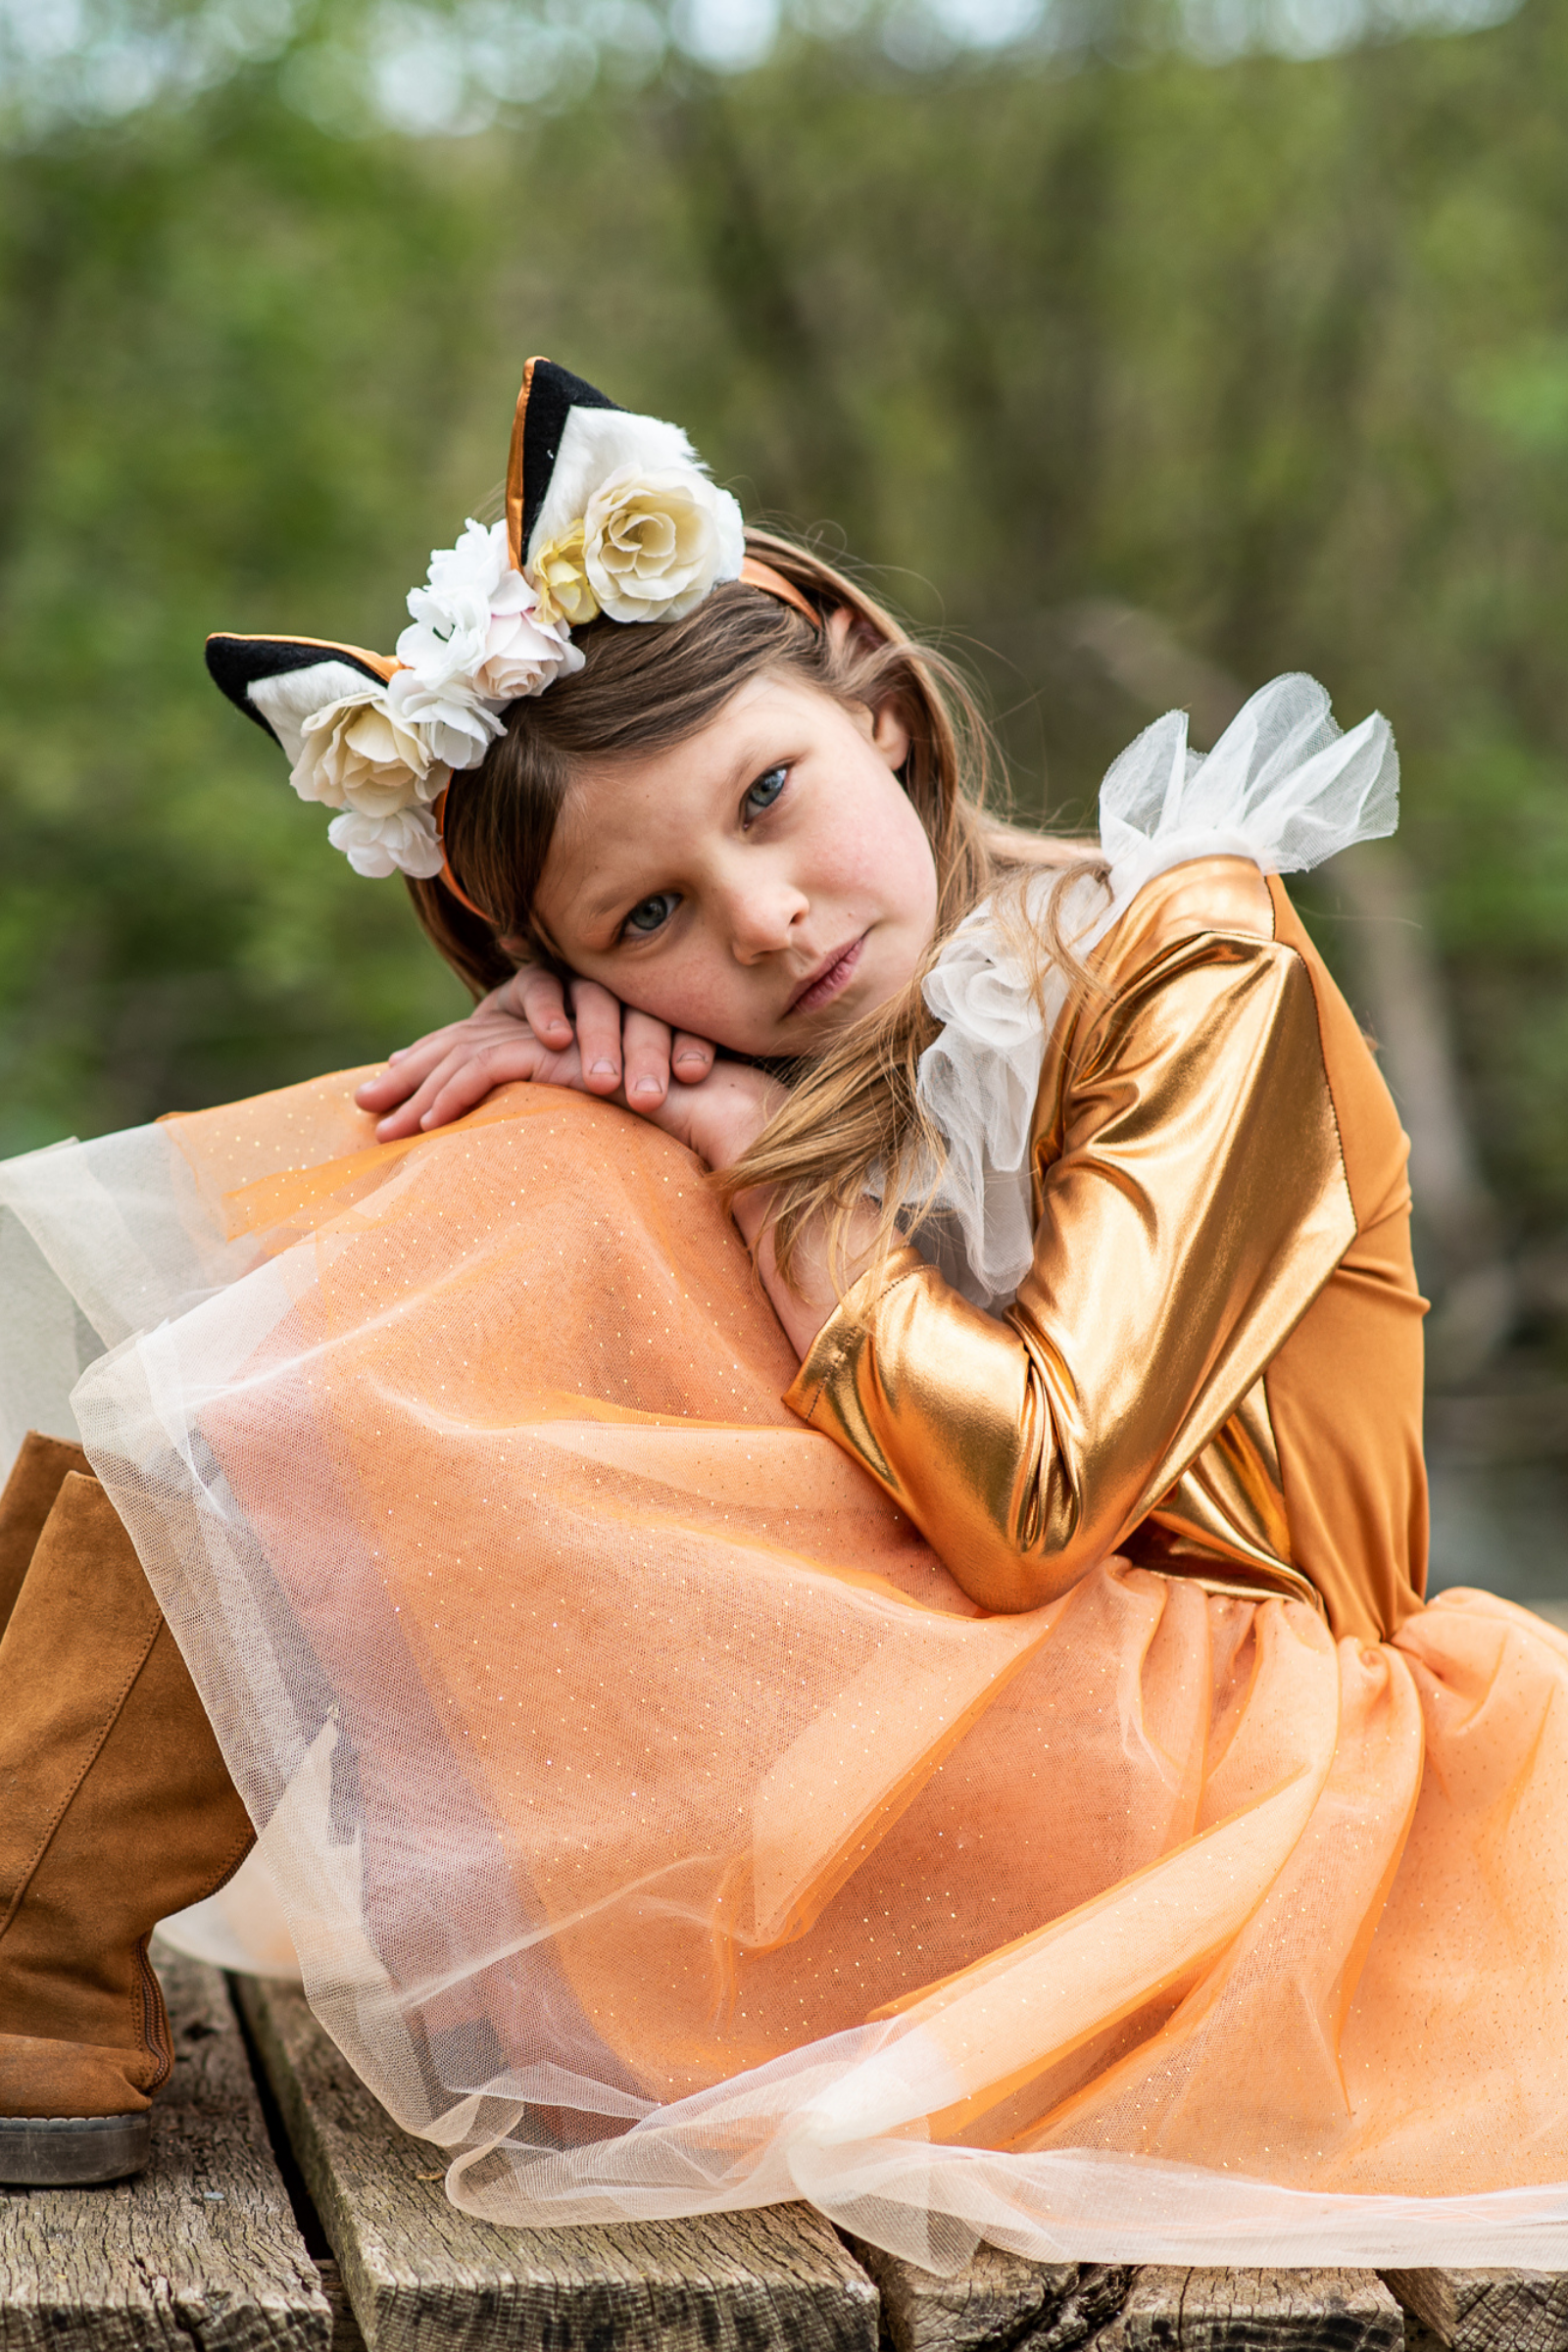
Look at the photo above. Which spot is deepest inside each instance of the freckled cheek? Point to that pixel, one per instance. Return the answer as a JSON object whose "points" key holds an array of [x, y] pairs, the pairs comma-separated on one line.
{"points": [[697, 994], [850, 862]]}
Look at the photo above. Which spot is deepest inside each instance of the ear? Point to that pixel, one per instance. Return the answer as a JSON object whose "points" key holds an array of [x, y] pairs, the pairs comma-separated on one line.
{"points": [[890, 734]]}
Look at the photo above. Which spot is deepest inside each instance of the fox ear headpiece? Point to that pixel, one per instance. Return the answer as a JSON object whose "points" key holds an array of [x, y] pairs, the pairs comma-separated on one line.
{"points": [[607, 513]]}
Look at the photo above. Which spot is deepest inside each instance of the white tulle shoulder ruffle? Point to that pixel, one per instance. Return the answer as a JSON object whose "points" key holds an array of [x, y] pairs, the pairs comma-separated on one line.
{"points": [[1284, 786]]}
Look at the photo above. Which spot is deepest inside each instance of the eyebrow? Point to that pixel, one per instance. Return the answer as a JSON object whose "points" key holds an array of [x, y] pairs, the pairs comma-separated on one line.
{"points": [[606, 903]]}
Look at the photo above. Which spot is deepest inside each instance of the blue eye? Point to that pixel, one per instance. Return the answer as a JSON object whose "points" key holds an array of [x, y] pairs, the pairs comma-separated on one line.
{"points": [[651, 914], [764, 792]]}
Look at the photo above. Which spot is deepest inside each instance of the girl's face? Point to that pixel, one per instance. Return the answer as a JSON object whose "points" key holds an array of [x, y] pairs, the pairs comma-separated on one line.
{"points": [[762, 884]]}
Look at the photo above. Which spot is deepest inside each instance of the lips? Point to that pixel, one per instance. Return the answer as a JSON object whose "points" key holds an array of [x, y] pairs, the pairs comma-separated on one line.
{"points": [[834, 974]]}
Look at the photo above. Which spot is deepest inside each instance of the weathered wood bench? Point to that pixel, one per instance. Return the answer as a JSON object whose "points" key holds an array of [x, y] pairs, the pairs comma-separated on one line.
{"points": [[284, 2212]]}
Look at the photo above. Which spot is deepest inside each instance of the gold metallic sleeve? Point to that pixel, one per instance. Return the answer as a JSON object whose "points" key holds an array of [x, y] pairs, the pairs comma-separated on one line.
{"points": [[1192, 1205]]}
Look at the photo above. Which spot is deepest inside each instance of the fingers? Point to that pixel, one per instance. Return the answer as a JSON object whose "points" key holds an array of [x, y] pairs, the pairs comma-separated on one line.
{"points": [[525, 1030], [456, 1092], [598, 1017], [690, 1058], [645, 1050], [407, 1069], [540, 999], [407, 1118], [463, 1075]]}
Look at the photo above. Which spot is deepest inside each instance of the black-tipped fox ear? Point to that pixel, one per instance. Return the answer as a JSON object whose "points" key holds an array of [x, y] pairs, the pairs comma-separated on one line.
{"points": [[279, 681], [548, 397]]}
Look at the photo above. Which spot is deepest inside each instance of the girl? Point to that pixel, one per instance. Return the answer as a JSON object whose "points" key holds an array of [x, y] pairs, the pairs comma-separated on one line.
{"points": [[950, 1728]]}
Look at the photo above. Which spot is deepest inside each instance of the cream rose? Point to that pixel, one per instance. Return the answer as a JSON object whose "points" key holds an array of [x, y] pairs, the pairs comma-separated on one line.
{"points": [[361, 754], [654, 543], [403, 842]]}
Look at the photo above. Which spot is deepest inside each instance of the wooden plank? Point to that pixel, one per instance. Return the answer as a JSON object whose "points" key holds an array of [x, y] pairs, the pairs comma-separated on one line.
{"points": [[422, 2275], [1256, 2311], [996, 2299], [1488, 2311], [1000, 2301], [200, 2250]]}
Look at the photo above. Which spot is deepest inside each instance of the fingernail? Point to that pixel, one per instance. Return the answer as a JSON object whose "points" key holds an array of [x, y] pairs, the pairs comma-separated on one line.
{"points": [[603, 1069], [685, 1057], [645, 1086], [397, 1052]]}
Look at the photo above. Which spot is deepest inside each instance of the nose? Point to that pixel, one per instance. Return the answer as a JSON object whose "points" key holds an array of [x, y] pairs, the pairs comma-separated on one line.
{"points": [[763, 915]]}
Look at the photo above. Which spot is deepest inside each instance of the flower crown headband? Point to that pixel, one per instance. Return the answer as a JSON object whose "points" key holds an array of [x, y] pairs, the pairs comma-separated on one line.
{"points": [[607, 513]]}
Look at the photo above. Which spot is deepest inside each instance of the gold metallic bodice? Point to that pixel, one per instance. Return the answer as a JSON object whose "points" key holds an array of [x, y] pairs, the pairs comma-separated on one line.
{"points": [[1213, 1365]]}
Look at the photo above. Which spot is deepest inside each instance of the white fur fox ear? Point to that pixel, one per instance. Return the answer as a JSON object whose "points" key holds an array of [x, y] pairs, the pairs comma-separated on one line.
{"points": [[611, 513], [340, 715], [281, 681]]}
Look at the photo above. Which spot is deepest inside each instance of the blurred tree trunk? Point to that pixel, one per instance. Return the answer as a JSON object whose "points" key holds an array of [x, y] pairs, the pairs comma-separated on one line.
{"points": [[825, 470]]}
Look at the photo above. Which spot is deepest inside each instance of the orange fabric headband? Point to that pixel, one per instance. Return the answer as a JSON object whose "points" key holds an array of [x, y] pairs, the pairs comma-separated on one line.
{"points": [[756, 575]]}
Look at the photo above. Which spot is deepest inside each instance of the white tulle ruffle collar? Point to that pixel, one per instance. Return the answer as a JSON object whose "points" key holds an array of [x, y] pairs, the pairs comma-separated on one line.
{"points": [[1283, 785]]}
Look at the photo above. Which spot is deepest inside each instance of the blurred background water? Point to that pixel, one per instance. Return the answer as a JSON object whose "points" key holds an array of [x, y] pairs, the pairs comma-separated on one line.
{"points": [[1146, 348]]}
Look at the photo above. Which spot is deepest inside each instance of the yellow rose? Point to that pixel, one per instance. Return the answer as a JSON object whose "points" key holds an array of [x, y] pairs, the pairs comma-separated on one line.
{"points": [[561, 580]]}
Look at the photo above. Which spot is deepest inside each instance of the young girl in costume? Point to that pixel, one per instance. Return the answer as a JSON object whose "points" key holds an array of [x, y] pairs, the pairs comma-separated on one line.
{"points": [[846, 1623]]}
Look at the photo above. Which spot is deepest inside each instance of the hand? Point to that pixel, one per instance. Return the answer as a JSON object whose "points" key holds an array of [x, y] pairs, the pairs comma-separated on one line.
{"points": [[522, 1031], [720, 1117]]}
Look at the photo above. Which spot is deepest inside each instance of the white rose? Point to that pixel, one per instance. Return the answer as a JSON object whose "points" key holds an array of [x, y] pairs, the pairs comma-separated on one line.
{"points": [[378, 846], [447, 646], [454, 727], [451, 613], [362, 752], [654, 543], [476, 565], [523, 653], [477, 637]]}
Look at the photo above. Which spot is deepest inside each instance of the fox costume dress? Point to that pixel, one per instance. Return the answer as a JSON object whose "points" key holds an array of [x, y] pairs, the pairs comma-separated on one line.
{"points": [[998, 1776]]}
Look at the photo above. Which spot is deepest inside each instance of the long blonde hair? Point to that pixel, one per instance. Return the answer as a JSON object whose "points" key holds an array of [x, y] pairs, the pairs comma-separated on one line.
{"points": [[855, 1121]]}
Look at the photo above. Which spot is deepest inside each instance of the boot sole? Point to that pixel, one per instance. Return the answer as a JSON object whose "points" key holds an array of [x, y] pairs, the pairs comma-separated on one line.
{"points": [[73, 2151]]}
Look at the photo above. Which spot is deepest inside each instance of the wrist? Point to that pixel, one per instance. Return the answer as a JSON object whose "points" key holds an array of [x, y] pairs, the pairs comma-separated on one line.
{"points": [[740, 1112]]}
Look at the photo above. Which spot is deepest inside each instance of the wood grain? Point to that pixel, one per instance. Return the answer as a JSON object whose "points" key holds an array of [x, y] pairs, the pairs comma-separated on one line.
{"points": [[1488, 2311], [200, 2250], [1256, 2311], [997, 2299], [424, 2278]]}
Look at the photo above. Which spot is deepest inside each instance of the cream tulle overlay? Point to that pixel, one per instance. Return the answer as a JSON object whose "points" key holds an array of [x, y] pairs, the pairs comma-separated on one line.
{"points": [[658, 1827]]}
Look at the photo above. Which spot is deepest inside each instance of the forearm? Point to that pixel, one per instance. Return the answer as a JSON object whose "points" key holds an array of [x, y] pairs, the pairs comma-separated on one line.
{"points": [[953, 1416]]}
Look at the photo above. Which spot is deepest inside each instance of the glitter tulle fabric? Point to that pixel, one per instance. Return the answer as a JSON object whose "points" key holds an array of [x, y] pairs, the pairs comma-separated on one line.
{"points": [[658, 1825]]}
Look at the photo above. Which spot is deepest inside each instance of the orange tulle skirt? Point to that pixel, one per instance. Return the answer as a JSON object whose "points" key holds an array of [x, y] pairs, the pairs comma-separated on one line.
{"points": [[659, 1827]]}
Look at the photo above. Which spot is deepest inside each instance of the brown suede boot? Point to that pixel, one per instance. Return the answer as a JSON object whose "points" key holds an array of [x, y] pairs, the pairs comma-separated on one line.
{"points": [[116, 1809], [37, 1475]]}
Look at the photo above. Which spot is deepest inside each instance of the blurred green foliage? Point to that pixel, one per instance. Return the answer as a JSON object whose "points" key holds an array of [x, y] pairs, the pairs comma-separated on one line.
{"points": [[1275, 350]]}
